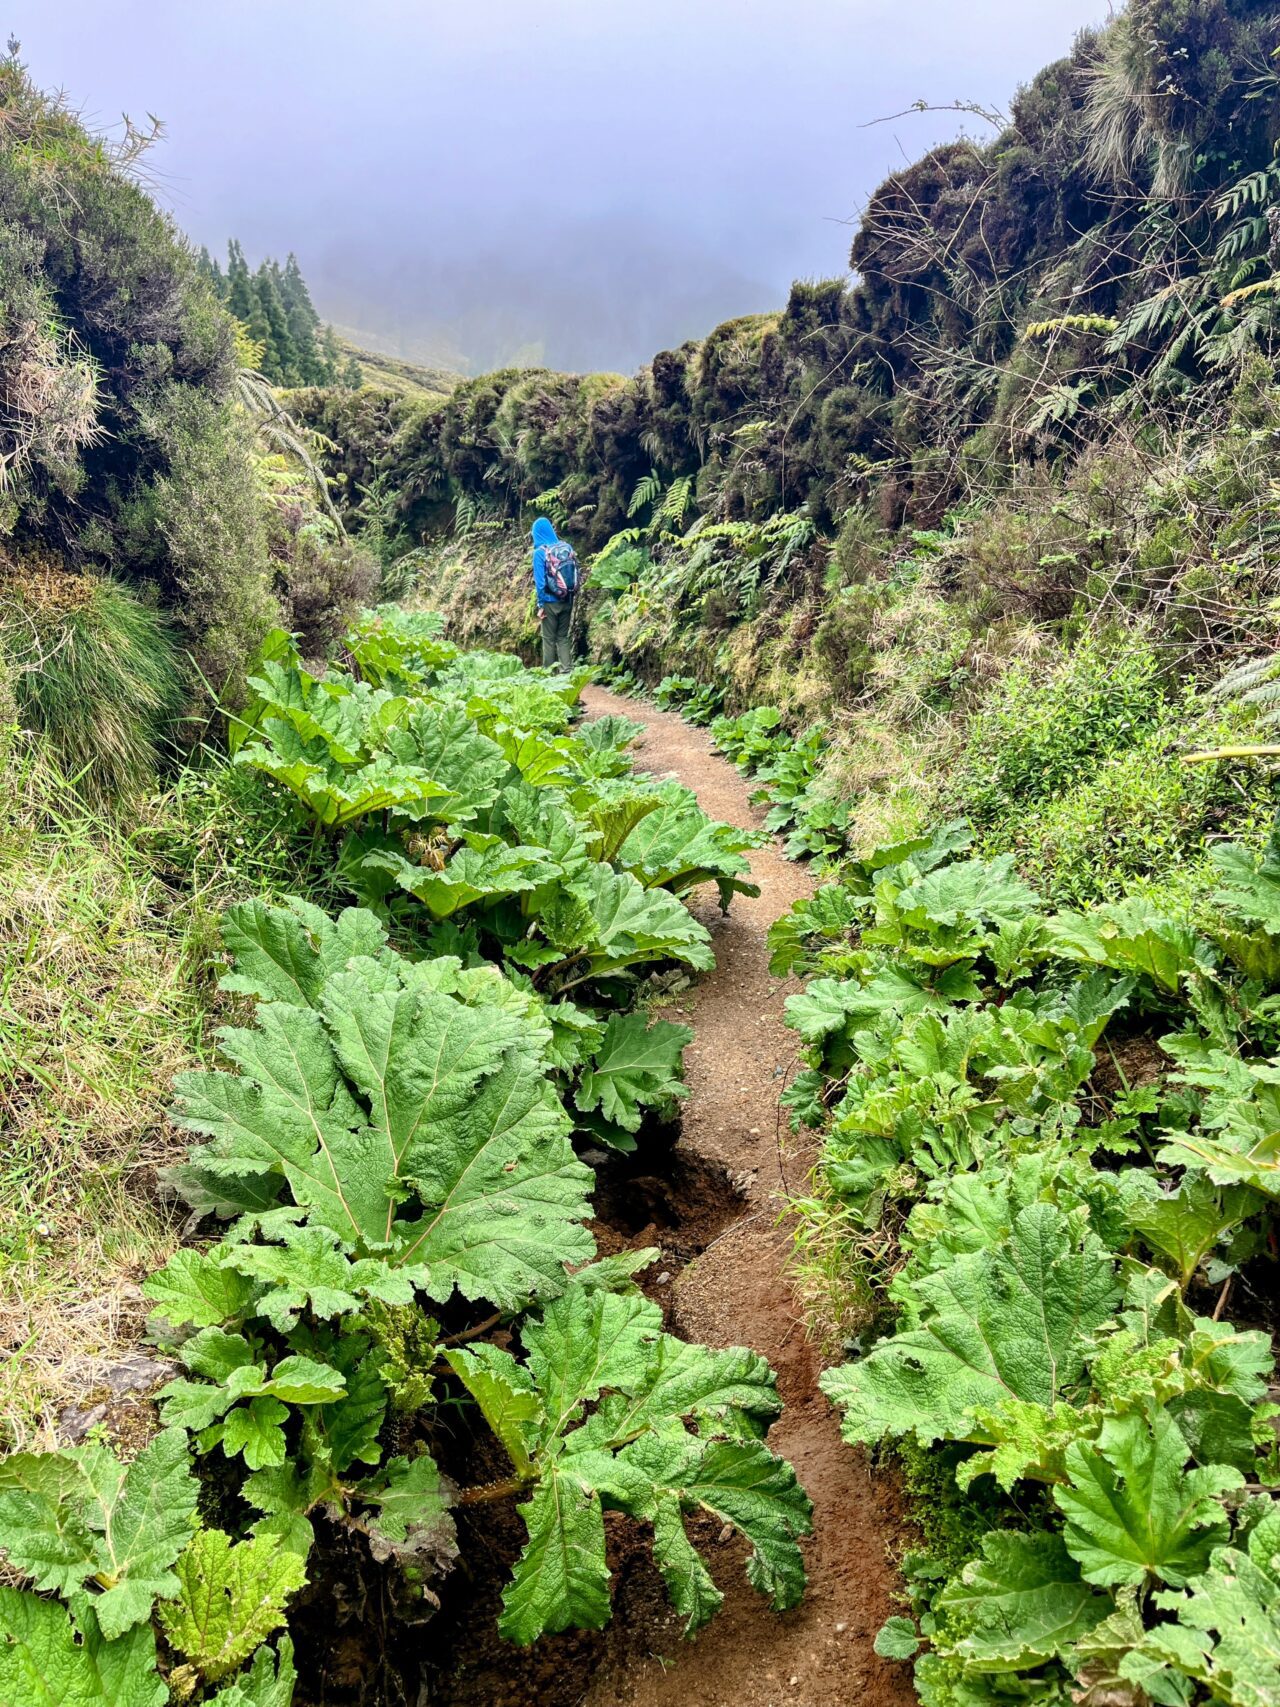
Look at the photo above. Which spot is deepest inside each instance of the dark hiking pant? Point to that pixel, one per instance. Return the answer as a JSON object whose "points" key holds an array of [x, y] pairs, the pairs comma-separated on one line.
{"points": [[555, 635]]}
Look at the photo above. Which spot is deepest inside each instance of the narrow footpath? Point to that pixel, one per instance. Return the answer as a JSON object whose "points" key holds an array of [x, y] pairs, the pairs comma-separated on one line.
{"points": [[735, 1293]]}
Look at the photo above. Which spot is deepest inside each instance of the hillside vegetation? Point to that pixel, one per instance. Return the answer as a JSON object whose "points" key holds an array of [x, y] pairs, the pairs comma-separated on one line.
{"points": [[328, 954], [958, 559], [333, 943]]}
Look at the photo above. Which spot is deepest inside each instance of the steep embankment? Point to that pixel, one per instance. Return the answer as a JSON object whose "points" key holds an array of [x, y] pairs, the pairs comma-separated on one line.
{"points": [[735, 1293]]}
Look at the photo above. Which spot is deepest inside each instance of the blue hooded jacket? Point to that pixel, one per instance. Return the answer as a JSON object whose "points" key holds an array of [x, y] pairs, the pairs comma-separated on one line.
{"points": [[543, 535]]}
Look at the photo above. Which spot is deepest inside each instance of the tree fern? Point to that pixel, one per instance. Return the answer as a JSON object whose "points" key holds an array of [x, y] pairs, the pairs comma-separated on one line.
{"points": [[552, 505], [647, 491], [675, 503]]}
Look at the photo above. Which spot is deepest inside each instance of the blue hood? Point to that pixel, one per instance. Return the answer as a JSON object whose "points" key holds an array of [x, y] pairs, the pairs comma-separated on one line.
{"points": [[543, 532]]}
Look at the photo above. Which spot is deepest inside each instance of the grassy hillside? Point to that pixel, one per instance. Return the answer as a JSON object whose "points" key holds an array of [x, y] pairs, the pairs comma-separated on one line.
{"points": [[401, 378]]}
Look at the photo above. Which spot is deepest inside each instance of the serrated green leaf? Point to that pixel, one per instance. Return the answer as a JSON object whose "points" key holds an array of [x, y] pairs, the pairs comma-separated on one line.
{"points": [[254, 1430], [1135, 1511], [742, 1483], [1226, 1636], [269, 1682], [689, 1583], [338, 1435], [44, 1527], [287, 953], [1132, 936], [444, 742], [636, 1065], [308, 1271], [43, 1664], [967, 890], [71, 1518], [305, 1381], [561, 1579], [397, 1092], [194, 1287], [509, 1196], [621, 924], [677, 847], [232, 1596], [505, 1393], [193, 1405], [1004, 1322], [471, 875], [215, 1353], [1021, 1602]]}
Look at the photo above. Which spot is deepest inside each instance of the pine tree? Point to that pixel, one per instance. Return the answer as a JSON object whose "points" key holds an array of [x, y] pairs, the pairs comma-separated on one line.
{"points": [[210, 270], [240, 298], [329, 363], [352, 374], [281, 363], [276, 309]]}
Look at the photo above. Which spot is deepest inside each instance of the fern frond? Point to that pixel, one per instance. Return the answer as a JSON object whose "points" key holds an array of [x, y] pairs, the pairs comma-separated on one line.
{"points": [[464, 515], [648, 488], [1247, 676], [675, 502], [1039, 330], [1254, 190], [1263, 287]]}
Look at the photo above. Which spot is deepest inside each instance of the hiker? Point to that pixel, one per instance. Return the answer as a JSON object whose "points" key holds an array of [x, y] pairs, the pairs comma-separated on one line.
{"points": [[556, 578]]}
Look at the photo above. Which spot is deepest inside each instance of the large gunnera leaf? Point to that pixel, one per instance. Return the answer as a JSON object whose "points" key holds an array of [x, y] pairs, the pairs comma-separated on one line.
{"points": [[609, 1411], [636, 1066], [1226, 1634], [1007, 1322], [45, 1662], [1135, 1511], [1020, 1603], [414, 1129], [83, 1520], [232, 1597]]}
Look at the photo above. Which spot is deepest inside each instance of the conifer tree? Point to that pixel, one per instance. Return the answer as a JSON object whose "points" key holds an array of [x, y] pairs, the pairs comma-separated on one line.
{"points": [[210, 270], [240, 294], [329, 366], [281, 364]]}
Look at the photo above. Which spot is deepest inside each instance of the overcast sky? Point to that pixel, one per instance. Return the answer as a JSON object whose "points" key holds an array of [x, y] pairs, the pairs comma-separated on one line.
{"points": [[580, 181]]}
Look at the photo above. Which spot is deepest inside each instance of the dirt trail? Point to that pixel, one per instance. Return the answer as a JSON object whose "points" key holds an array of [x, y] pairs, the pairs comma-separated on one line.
{"points": [[821, 1654]]}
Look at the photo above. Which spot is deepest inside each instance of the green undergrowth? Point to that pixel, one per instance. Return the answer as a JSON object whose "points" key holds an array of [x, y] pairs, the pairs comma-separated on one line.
{"points": [[388, 1171], [1047, 1137], [108, 919], [1040, 1047]]}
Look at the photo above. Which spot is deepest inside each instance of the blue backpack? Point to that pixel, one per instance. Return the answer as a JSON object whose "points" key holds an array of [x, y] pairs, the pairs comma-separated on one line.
{"points": [[560, 570]]}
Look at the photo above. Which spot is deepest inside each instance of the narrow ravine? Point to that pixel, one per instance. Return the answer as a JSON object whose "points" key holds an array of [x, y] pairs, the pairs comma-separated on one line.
{"points": [[735, 1292]]}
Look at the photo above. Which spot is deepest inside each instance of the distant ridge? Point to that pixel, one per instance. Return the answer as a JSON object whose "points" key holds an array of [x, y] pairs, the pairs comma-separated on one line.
{"points": [[393, 373]]}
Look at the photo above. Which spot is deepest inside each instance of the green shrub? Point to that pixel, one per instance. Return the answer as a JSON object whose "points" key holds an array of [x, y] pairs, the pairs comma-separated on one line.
{"points": [[1140, 818], [1034, 738], [198, 528], [97, 673], [124, 446]]}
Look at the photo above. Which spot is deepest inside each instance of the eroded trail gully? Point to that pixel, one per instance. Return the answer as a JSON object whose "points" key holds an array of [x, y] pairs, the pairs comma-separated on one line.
{"points": [[734, 1293]]}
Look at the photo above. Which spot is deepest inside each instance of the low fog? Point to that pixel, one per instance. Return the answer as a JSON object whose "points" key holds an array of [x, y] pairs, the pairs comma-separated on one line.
{"points": [[579, 182]]}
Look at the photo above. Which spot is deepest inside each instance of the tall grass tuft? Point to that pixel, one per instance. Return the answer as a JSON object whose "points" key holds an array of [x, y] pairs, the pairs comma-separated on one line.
{"points": [[96, 673]]}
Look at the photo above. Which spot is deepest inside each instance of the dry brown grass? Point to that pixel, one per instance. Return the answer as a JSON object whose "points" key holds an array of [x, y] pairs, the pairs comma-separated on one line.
{"points": [[96, 1016]]}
